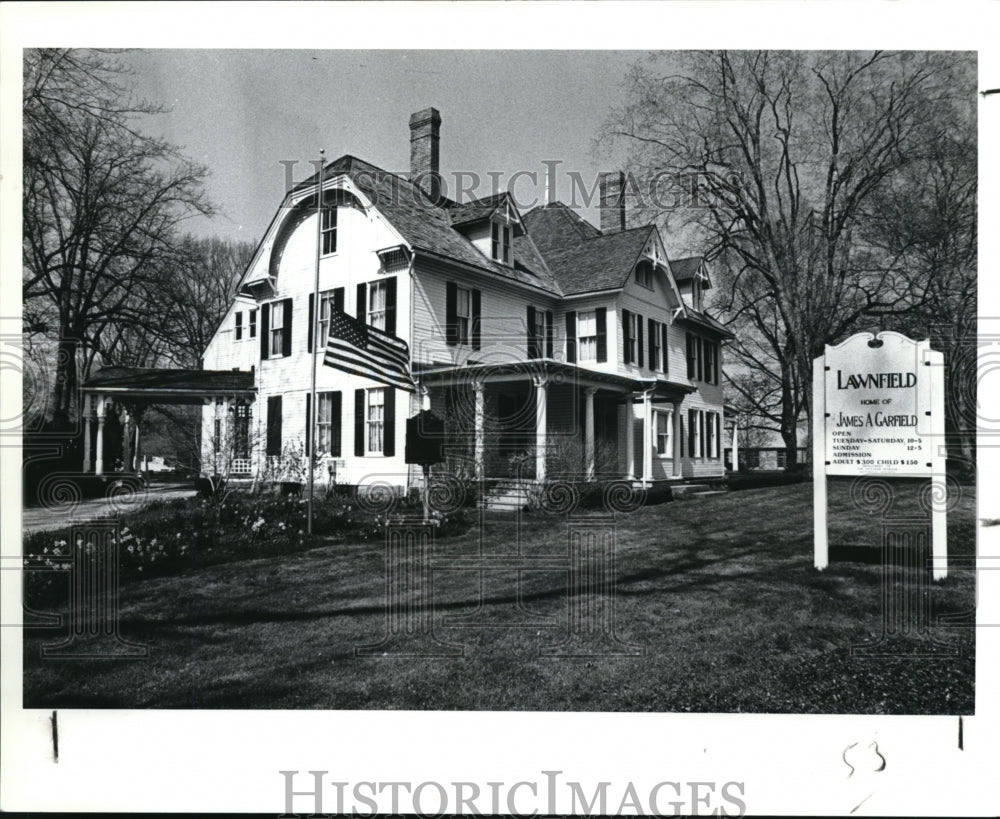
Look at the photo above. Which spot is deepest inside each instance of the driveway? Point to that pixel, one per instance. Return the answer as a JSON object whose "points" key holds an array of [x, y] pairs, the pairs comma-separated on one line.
{"points": [[42, 519]]}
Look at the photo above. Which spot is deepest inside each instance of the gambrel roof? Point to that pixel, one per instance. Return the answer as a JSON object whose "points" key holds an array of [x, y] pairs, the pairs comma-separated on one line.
{"points": [[428, 227]]}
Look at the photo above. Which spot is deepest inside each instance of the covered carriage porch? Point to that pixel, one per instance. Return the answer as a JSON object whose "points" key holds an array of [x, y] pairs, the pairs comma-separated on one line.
{"points": [[127, 392], [545, 419]]}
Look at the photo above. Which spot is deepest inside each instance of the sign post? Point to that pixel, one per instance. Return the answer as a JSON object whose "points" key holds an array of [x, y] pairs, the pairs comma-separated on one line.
{"points": [[878, 410]]}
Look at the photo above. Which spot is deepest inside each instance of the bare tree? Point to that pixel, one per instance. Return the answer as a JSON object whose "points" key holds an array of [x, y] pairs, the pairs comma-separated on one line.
{"points": [[788, 151], [102, 202]]}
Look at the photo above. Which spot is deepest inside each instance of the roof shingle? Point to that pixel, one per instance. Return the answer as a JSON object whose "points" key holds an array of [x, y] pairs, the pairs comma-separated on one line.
{"points": [[581, 258]]}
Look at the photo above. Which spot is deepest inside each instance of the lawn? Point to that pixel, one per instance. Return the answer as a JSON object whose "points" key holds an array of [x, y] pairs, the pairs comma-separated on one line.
{"points": [[715, 600]]}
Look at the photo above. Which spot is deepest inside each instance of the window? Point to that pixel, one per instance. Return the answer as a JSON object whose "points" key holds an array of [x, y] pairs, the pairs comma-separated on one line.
{"points": [[630, 337], [463, 308], [376, 305], [500, 242], [782, 458], [252, 316], [463, 314], [702, 359], [242, 415], [644, 274], [696, 439], [375, 421], [277, 332], [238, 334], [752, 457], [587, 335], [329, 230], [540, 338], [657, 333], [326, 304], [328, 424], [708, 421], [664, 444]]}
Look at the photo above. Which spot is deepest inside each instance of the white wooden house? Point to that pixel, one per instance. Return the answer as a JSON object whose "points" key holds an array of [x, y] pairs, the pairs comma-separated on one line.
{"points": [[545, 343]]}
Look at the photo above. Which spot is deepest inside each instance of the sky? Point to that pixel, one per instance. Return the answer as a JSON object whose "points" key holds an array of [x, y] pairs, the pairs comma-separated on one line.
{"points": [[243, 113]]}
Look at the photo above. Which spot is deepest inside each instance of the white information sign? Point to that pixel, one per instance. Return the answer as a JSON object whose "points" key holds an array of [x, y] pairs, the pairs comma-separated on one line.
{"points": [[878, 414], [878, 409]]}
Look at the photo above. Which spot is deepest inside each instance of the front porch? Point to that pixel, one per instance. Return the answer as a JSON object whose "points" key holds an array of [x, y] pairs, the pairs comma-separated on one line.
{"points": [[544, 420]]}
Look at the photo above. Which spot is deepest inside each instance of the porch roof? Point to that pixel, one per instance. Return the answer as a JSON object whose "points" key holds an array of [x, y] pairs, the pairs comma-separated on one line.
{"points": [[435, 374], [173, 386]]}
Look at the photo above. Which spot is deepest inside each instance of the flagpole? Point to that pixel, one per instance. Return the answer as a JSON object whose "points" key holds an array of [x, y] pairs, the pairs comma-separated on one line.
{"points": [[314, 410]]}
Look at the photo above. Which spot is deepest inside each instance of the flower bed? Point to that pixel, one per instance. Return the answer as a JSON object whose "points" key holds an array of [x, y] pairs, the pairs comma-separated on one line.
{"points": [[166, 537]]}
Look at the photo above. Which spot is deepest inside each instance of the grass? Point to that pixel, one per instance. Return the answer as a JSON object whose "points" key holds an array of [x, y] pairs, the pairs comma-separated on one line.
{"points": [[720, 593]]}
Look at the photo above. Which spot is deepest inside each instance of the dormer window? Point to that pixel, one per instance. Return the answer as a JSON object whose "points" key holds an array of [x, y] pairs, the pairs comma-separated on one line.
{"points": [[644, 274], [501, 242]]}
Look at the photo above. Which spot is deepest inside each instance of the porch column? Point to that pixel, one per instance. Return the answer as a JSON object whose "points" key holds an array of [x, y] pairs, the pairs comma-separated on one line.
{"points": [[588, 431], [736, 446], [99, 460], [479, 453], [138, 450], [647, 436], [126, 442], [678, 439], [541, 424], [630, 437], [86, 434], [220, 437]]}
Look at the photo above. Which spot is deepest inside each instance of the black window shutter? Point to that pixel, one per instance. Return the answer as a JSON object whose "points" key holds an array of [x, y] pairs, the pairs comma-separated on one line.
{"points": [[286, 331], [571, 336], [666, 360], [265, 329], [338, 299], [239, 325], [549, 334], [626, 352], [532, 339], [362, 308], [451, 314], [601, 316], [312, 322], [701, 438], [699, 358], [309, 425], [638, 340], [477, 316], [689, 343], [692, 423], [274, 425], [389, 424], [390, 306], [652, 344], [359, 422], [336, 411], [718, 359]]}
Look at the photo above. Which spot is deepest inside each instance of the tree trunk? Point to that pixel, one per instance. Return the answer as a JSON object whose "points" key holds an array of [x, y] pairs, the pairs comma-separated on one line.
{"points": [[64, 393]]}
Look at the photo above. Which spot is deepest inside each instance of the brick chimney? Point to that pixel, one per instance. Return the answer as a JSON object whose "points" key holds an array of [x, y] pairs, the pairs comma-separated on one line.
{"points": [[612, 190], [425, 159]]}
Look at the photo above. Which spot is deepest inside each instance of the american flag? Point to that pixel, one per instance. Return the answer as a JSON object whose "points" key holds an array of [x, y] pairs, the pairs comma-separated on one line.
{"points": [[362, 350]]}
